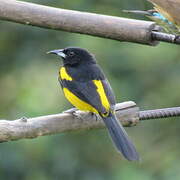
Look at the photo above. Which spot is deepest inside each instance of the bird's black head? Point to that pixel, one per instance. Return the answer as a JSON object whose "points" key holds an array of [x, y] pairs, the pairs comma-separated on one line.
{"points": [[74, 56]]}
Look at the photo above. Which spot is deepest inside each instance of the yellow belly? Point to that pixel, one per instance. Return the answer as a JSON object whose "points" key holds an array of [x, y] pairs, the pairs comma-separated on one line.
{"points": [[78, 103]]}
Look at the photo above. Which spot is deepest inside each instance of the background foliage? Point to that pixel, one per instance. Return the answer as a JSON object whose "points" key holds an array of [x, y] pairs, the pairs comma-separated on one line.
{"points": [[29, 87]]}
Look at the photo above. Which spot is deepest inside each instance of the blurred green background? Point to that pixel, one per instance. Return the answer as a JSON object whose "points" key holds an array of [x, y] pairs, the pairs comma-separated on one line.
{"points": [[29, 87]]}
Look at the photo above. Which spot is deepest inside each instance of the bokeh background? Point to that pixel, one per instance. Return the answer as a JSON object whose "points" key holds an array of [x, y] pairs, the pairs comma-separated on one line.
{"points": [[29, 87]]}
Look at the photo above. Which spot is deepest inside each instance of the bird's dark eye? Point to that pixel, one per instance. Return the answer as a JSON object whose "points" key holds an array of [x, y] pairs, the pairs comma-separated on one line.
{"points": [[71, 53]]}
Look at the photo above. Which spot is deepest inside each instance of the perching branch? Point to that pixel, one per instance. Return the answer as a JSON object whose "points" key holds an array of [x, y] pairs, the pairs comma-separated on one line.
{"points": [[111, 27], [128, 113], [58, 123]]}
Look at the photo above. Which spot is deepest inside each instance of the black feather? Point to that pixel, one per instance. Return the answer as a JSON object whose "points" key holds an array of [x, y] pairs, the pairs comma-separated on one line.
{"points": [[120, 138], [86, 91]]}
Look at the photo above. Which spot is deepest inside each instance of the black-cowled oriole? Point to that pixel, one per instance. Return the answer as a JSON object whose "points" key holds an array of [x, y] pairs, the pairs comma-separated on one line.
{"points": [[86, 87]]}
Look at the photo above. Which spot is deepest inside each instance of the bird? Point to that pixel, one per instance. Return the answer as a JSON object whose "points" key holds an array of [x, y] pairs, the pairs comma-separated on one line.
{"points": [[86, 88], [165, 13]]}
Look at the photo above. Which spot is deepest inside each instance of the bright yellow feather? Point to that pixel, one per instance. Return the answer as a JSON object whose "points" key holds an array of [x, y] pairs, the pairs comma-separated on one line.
{"points": [[101, 92], [64, 75], [75, 101]]}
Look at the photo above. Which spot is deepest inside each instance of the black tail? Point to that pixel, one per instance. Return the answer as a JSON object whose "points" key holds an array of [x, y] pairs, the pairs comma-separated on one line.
{"points": [[120, 138]]}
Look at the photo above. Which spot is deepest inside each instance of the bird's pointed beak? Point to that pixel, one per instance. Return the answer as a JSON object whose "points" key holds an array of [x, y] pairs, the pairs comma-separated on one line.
{"points": [[58, 52], [138, 12]]}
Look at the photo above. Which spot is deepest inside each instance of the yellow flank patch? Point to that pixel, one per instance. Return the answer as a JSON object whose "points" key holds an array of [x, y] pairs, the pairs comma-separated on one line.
{"points": [[102, 94], [78, 103], [64, 75]]}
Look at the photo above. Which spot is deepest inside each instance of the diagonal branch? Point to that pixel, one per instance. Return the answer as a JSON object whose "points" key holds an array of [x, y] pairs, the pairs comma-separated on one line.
{"points": [[127, 112], [64, 122]]}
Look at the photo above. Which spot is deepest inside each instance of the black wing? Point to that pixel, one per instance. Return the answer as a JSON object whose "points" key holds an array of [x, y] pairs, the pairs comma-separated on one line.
{"points": [[87, 91]]}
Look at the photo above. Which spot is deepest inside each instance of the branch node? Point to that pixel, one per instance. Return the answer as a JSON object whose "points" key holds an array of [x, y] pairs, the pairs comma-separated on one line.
{"points": [[24, 119]]}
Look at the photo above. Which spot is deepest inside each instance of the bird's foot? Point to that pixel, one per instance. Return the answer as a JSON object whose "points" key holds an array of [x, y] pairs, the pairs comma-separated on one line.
{"points": [[94, 115], [73, 111], [70, 111]]}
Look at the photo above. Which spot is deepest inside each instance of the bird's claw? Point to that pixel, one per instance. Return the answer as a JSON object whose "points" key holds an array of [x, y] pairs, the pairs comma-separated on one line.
{"points": [[94, 114], [70, 111], [73, 111]]}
